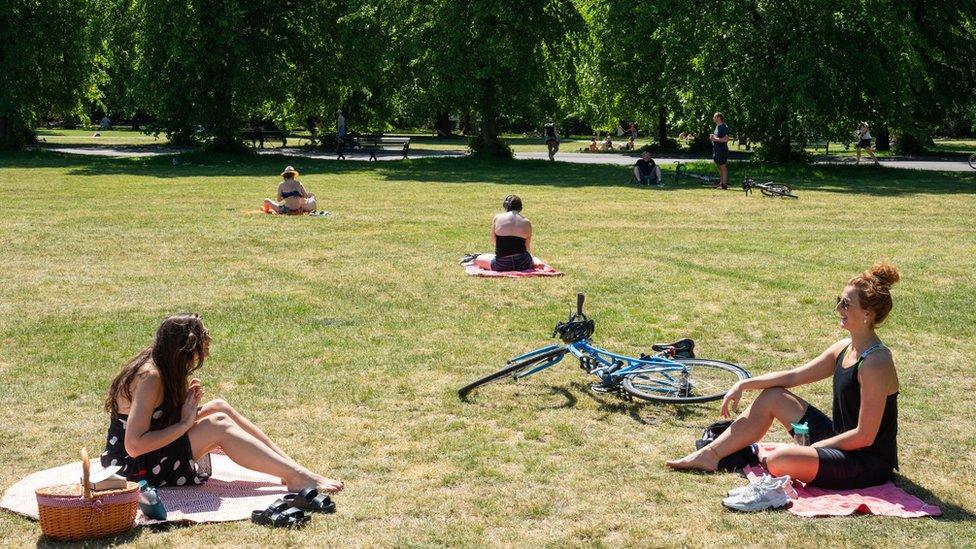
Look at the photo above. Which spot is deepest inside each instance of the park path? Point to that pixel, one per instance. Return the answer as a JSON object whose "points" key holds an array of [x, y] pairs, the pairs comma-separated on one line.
{"points": [[933, 164], [927, 164]]}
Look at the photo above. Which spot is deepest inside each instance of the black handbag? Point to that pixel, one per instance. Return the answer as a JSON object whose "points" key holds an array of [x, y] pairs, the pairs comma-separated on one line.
{"points": [[734, 461]]}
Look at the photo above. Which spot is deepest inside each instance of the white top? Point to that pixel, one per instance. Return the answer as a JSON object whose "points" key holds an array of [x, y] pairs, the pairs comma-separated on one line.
{"points": [[866, 134]]}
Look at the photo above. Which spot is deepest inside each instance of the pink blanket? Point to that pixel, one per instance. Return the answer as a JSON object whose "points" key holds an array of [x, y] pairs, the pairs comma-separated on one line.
{"points": [[540, 270], [231, 493], [886, 499]]}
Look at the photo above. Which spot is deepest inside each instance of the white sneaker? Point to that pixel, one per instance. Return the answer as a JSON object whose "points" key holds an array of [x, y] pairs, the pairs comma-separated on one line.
{"points": [[765, 480], [759, 497]]}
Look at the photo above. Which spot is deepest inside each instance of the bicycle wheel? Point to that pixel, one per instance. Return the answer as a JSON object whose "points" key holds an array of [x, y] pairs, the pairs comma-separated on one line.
{"points": [[510, 370], [972, 161], [706, 380], [775, 189]]}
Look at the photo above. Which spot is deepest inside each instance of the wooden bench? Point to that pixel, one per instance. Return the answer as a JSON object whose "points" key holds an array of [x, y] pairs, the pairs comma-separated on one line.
{"points": [[378, 144], [258, 137]]}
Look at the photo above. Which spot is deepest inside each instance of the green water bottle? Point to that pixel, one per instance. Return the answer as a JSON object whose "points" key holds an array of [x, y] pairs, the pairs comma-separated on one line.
{"points": [[801, 434]]}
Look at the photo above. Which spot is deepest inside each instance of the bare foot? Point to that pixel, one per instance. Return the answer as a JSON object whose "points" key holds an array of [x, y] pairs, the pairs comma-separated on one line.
{"points": [[328, 484], [702, 460]]}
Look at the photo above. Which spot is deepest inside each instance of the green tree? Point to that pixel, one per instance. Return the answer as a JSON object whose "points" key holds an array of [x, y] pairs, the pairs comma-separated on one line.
{"points": [[500, 59], [46, 69]]}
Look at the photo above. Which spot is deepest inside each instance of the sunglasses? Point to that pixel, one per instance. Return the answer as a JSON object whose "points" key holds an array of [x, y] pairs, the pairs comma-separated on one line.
{"points": [[844, 303]]}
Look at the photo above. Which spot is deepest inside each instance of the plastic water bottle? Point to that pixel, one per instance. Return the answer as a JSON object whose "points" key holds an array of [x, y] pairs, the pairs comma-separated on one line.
{"points": [[149, 502], [801, 434]]}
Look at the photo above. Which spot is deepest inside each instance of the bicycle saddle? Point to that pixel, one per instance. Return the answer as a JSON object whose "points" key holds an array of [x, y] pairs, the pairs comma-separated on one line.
{"points": [[683, 348]]}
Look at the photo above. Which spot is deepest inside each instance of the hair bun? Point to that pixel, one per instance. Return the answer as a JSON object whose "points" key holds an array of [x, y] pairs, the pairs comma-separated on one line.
{"points": [[885, 272]]}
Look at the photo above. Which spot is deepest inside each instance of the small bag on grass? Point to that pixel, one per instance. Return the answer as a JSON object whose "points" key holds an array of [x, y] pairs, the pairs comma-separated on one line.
{"points": [[732, 462], [74, 512]]}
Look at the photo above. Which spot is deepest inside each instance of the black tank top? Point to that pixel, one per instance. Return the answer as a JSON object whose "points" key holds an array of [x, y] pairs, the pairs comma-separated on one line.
{"points": [[509, 245], [847, 406]]}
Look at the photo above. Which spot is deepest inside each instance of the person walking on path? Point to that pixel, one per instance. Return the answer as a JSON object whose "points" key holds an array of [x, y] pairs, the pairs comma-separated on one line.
{"points": [[552, 139], [720, 149], [340, 133], [864, 142]]}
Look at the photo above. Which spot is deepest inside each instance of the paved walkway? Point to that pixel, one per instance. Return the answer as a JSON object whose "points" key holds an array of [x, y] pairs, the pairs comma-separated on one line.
{"points": [[927, 164]]}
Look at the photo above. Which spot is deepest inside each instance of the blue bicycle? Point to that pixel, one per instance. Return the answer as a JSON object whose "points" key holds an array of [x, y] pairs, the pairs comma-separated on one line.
{"points": [[673, 374]]}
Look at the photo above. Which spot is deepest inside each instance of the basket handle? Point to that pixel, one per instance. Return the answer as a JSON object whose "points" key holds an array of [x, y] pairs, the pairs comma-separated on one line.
{"points": [[85, 473]]}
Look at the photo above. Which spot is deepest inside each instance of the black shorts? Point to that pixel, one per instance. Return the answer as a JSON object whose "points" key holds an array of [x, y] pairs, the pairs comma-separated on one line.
{"points": [[864, 143], [842, 469], [517, 262], [720, 157]]}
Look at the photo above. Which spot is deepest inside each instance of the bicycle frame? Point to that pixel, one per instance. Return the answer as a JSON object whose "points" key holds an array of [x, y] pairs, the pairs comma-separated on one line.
{"points": [[610, 367]]}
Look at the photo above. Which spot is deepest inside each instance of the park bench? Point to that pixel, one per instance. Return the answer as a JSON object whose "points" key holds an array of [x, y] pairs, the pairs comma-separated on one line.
{"points": [[258, 137], [379, 144]]}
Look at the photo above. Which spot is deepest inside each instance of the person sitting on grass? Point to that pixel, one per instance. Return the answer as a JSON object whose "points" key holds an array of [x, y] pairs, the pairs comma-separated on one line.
{"points": [[158, 430], [646, 171], [607, 145], [630, 144], [593, 146], [511, 233], [855, 449], [293, 199]]}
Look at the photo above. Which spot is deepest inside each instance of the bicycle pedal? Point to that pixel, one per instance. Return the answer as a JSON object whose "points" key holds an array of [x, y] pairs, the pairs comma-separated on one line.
{"points": [[602, 389]]}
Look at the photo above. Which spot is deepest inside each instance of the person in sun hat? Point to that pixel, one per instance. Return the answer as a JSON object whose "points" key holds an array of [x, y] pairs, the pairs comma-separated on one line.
{"points": [[293, 199]]}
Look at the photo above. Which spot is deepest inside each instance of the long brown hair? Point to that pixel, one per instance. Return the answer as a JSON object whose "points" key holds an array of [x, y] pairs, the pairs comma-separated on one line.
{"points": [[177, 351]]}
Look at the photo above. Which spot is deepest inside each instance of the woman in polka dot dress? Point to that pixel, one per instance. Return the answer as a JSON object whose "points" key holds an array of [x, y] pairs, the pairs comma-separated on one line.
{"points": [[158, 430]]}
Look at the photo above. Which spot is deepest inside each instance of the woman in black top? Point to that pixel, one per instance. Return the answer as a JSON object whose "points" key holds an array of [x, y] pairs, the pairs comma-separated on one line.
{"points": [[511, 233], [855, 449]]}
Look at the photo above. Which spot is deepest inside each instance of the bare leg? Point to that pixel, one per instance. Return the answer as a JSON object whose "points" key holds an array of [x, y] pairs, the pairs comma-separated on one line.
{"points": [[800, 462], [269, 206], [858, 155], [723, 175], [310, 204], [220, 405], [483, 261], [751, 426], [218, 429], [871, 152]]}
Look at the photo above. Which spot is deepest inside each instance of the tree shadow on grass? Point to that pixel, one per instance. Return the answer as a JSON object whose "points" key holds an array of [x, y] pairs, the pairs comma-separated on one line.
{"points": [[950, 512], [822, 178]]}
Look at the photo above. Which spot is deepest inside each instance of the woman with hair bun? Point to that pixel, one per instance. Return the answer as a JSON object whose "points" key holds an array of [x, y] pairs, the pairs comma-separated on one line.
{"points": [[857, 447], [159, 430]]}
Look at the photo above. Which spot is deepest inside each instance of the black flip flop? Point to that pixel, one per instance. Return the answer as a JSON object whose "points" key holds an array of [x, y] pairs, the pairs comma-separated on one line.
{"points": [[310, 501], [467, 258], [280, 515]]}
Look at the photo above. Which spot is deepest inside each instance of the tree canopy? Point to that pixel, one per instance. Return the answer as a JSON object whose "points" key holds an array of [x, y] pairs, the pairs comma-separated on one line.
{"points": [[785, 73]]}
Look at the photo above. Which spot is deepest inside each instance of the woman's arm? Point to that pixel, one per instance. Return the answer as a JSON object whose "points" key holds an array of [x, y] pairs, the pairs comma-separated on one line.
{"points": [[528, 238], [877, 377], [301, 189], [819, 368], [138, 438], [279, 192], [493, 229]]}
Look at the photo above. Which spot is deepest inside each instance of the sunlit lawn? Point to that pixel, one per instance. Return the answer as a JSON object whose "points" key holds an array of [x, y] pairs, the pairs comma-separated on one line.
{"points": [[346, 337]]}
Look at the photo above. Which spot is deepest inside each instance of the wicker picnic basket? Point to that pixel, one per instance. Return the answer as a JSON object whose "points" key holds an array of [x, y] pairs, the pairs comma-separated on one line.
{"points": [[74, 512]]}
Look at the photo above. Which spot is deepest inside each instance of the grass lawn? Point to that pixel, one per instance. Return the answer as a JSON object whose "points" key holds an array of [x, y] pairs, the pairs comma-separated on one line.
{"points": [[346, 337]]}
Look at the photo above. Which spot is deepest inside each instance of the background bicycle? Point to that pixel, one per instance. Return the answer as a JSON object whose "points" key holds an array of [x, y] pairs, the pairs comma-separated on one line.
{"points": [[681, 171], [768, 188]]}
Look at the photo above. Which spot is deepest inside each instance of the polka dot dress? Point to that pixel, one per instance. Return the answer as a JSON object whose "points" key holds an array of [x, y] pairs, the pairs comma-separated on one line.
{"points": [[171, 465]]}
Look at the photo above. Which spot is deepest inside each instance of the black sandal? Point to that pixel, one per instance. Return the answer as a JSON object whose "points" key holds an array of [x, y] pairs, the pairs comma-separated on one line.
{"points": [[467, 258], [280, 515], [310, 501]]}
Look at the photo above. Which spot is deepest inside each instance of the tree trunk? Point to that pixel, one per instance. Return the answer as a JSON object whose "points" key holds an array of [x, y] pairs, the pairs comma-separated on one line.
{"points": [[662, 126], [442, 123], [489, 143], [883, 140]]}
